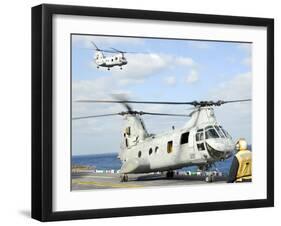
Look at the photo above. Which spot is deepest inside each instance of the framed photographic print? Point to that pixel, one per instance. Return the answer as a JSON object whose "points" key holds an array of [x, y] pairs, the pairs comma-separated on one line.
{"points": [[146, 112]]}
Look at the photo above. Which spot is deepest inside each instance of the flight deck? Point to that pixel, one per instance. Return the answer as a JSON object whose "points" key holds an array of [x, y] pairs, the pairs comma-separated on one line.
{"points": [[89, 180]]}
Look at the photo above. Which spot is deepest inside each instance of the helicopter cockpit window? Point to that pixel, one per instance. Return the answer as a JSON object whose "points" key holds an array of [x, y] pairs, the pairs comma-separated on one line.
{"points": [[220, 132], [225, 132], [211, 133], [184, 138]]}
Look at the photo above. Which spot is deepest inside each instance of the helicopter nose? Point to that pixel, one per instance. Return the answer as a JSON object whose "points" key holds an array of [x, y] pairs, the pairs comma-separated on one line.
{"points": [[220, 148], [223, 145]]}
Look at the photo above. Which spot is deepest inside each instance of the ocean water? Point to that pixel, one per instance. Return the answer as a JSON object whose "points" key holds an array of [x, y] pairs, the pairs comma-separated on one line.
{"points": [[110, 161]]}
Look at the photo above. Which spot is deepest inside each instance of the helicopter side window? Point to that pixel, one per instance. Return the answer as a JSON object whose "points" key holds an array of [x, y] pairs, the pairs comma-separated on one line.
{"points": [[150, 151], [139, 154], [116, 58], [184, 138], [199, 136], [170, 146], [201, 147], [128, 131], [156, 149], [211, 133]]}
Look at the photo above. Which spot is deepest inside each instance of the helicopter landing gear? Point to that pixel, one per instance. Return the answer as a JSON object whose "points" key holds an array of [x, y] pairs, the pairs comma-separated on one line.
{"points": [[121, 68], [170, 174], [124, 178], [98, 67], [108, 69], [210, 178]]}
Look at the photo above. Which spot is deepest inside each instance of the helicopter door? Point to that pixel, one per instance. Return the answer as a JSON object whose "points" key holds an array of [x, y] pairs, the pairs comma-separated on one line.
{"points": [[200, 140]]}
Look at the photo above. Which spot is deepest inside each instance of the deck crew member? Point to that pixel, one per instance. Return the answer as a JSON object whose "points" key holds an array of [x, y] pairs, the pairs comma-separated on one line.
{"points": [[241, 167]]}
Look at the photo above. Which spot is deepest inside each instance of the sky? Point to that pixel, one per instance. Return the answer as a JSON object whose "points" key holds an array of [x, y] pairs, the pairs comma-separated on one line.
{"points": [[157, 70]]}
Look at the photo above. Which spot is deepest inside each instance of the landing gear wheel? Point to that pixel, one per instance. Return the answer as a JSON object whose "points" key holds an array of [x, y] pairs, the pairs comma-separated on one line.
{"points": [[209, 178], [124, 178], [98, 67], [121, 68], [170, 174], [108, 68]]}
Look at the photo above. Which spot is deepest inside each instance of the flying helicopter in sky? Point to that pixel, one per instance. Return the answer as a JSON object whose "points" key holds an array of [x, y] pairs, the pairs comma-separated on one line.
{"points": [[118, 59], [201, 142]]}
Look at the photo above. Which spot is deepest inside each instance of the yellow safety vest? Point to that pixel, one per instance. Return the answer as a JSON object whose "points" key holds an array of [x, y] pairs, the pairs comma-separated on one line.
{"points": [[244, 171]]}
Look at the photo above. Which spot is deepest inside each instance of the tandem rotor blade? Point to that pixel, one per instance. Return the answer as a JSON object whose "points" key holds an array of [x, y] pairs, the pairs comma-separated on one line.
{"points": [[194, 103], [163, 114], [120, 51], [131, 113], [96, 116], [132, 102], [233, 101]]}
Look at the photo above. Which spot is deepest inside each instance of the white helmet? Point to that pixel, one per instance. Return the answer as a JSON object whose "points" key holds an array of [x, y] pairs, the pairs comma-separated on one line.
{"points": [[241, 144]]}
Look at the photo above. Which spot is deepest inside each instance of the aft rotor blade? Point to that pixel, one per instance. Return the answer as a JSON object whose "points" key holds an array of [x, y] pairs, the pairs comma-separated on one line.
{"points": [[120, 51], [95, 116], [116, 50], [233, 101], [163, 114]]}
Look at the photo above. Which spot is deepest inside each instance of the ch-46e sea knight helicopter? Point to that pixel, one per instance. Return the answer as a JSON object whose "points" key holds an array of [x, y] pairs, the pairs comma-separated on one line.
{"points": [[118, 59], [201, 141]]}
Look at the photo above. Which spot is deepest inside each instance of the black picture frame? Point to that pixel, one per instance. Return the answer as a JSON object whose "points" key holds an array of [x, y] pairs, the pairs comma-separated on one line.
{"points": [[42, 107]]}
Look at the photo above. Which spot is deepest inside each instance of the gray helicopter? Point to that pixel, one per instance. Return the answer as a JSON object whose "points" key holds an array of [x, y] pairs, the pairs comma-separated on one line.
{"points": [[118, 59], [201, 142]]}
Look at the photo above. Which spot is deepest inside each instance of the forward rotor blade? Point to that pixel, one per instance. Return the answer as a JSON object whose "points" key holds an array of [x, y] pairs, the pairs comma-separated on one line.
{"points": [[95, 46], [133, 102], [96, 116], [101, 50]]}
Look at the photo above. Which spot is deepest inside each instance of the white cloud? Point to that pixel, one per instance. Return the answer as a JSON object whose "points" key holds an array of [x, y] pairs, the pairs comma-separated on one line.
{"points": [[145, 65], [184, 61], [192, 77], [140, 66], [235, 117], [170, 80]]}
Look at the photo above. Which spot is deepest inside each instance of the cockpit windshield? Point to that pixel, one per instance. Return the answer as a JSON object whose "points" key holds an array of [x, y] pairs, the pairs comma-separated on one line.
{"points": [[210, 132], [214, 131], [225, 132], [220, 132]]}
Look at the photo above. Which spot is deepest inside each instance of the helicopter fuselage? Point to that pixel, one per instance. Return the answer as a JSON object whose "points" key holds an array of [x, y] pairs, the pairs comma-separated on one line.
{"points": [[111, 61], [201, 142]]}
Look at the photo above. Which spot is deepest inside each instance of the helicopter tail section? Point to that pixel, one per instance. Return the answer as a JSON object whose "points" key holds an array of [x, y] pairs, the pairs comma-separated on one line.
{"points": [[134, 131]]}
